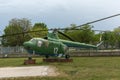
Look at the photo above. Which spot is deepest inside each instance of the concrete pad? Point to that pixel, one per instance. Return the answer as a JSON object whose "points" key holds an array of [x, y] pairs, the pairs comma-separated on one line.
{"points": [[27, 71]]}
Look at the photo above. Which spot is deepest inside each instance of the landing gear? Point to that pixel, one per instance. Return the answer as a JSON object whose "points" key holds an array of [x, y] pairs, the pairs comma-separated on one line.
{"points": [[58, 59], [29, 61], [46, 56], [30, 58], [67, 56]]}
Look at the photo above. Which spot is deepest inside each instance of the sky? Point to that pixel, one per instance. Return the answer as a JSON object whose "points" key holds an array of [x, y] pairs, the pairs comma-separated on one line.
{"points": [[61, 13]]}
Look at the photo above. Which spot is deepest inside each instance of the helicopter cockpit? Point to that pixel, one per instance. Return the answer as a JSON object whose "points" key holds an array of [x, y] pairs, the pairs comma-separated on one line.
{"points": [[37, 41], [33, 40]]}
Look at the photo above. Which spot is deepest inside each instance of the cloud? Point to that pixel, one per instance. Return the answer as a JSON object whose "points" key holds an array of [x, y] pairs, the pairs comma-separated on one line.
{"points": [[60, 13]]}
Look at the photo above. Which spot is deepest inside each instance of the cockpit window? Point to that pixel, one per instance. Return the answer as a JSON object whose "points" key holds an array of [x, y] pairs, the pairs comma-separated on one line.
{"points": [[33, 40]]}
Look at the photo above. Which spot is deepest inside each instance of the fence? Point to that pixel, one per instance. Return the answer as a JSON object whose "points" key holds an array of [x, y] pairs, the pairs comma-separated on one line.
{"points": [[16, 52], [12, 50], [19, 51], [92, 53]]}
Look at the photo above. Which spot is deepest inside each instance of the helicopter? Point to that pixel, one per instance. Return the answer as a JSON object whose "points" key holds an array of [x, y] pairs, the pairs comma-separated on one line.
{"points": [[51, 45]]}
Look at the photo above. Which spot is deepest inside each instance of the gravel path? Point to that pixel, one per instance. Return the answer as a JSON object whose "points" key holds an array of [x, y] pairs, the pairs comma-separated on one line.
{"points": [[27, 71]]}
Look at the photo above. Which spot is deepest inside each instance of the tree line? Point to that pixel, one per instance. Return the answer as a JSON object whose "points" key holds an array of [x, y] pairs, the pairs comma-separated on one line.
{"points": [[84, 34], [21, 26]]}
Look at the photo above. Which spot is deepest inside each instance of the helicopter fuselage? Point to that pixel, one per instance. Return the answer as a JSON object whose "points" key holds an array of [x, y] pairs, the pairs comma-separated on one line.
{"points": [[51, 47]]}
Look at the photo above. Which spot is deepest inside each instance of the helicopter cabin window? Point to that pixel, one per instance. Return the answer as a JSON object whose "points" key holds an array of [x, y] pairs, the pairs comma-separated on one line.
{"points": [[33, 40], [39, 43]]}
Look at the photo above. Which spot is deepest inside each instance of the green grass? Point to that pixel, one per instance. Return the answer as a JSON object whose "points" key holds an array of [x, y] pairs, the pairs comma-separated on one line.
{"points": [[82, 68]]}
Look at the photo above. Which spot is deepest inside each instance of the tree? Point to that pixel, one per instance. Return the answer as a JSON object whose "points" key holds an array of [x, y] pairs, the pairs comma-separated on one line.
{"points": [[16, 26], [117, 36], [84, 34], [24, 23], [97, 38], [37, 27], [109, 39], [87, 34]]}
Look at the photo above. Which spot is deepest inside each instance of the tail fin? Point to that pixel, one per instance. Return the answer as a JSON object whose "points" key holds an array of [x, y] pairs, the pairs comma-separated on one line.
{"points": [[99, 44]]}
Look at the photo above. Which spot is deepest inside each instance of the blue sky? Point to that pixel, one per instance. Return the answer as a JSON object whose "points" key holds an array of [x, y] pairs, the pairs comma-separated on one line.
{"points": [[61, 13]]}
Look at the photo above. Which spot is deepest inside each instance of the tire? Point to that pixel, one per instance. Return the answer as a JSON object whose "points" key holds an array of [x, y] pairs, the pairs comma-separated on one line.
{"points": [[29, 58], [46, 56], [67, 56]]}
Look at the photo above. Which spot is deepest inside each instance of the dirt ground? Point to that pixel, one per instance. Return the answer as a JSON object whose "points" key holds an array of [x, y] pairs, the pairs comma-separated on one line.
{"points": [[27, 71]]}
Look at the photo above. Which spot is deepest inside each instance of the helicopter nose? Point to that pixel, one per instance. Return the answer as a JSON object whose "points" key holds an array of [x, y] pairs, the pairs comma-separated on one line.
{"points": [[26, 45]]}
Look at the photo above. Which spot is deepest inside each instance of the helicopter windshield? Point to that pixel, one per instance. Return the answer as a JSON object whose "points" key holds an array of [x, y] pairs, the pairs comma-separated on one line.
{"points": [[33, 40]]}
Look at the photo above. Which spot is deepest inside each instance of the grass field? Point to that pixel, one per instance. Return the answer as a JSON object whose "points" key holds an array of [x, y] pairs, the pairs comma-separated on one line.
{"points": [[83, 68]]}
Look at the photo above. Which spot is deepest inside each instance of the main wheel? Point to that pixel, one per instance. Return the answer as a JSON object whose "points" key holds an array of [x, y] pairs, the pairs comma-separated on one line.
{"points": [[67, 56], [29, 58], [46, 56]]}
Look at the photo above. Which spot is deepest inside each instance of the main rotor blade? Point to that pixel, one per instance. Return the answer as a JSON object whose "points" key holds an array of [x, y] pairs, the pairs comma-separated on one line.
{"points": [[63, 28], [99, 20], [23, 33], [65, 36]]}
